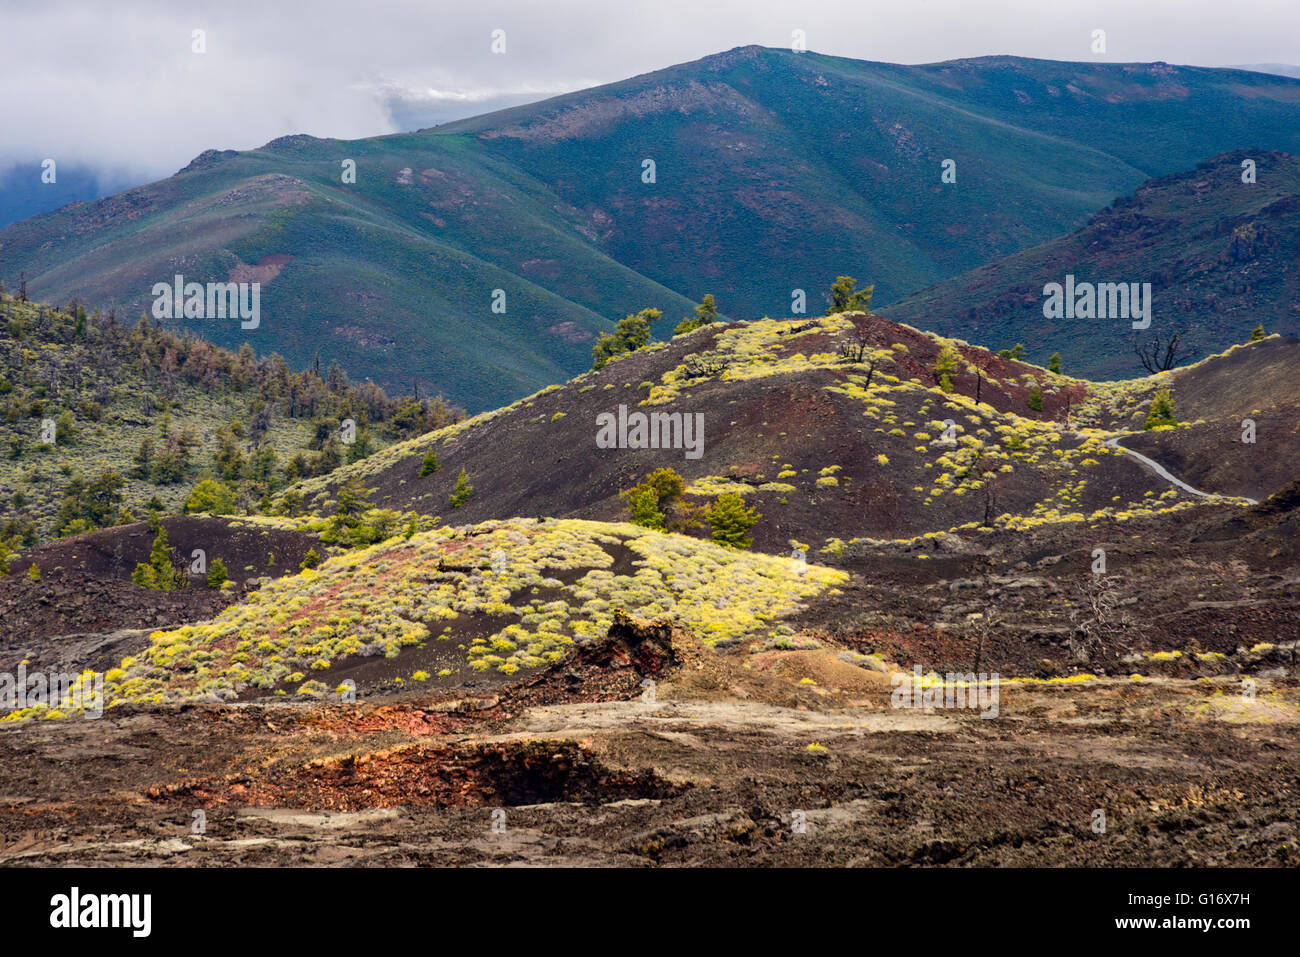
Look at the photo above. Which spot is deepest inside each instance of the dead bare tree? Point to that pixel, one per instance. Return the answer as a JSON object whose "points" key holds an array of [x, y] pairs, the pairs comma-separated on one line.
{"points": [[1158, 354], [1098, 620], [990, 497], [857, 348], [854, 346], [984, 624]]}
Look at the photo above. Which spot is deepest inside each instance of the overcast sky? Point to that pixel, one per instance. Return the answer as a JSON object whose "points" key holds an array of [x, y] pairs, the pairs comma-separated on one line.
{"points": [[116, 85]]}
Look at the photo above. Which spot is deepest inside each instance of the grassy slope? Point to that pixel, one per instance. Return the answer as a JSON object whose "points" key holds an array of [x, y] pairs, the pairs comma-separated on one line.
{"points": [[440, 595], [1221, 256], [393, 276]]}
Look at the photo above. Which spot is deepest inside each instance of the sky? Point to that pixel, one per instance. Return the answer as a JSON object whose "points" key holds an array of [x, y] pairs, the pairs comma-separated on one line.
{"points": [[119, 88]]}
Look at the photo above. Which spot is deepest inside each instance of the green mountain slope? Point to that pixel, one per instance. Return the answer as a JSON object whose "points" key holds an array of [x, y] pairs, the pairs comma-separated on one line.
{"points": [[1221, 256], [774, 171]]}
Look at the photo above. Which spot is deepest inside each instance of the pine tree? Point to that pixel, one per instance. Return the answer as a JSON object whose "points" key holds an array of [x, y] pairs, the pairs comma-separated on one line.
{"points": [[352, 500], [1161, 414], [654, 502], [731, 521], [229, 459], [429, 464], [630, 334], [1036, 398], [159, 573], [64, 432], [160, 560], [706, 312], [460, 495], [1257, 333], [217, 573], [846, 297], [1054, 363], [945, 366], [643, 503], [143, 459]]}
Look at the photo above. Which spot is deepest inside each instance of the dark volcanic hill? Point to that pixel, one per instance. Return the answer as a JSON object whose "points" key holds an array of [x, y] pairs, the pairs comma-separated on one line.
{"points": [[830, 450], [774, 171], [1222, 256]]}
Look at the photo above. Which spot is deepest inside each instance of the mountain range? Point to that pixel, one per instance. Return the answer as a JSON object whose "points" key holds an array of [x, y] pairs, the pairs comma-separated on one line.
{"points": [[748, 174], [1220, 254]]}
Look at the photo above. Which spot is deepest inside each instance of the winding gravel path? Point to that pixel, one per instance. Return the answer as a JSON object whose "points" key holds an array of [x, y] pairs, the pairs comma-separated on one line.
{"points": [[1164, 473]]}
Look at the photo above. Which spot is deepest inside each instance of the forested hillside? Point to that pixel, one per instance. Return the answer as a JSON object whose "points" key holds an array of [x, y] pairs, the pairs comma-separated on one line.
{"points": [[103, 420]]}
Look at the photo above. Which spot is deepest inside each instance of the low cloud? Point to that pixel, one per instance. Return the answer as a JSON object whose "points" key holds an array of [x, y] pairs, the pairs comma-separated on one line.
{"points": [[117, 88]]}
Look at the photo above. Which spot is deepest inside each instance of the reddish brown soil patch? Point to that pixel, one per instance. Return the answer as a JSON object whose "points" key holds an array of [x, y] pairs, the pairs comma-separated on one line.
{"points": [[510, 774], [267, 268]]}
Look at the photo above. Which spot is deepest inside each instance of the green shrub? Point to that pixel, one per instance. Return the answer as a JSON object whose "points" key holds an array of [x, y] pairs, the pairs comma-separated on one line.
{"points": [[217, 574], [429, 464], [731, 521], [460, 494], [211, 496], [1161, 414]]}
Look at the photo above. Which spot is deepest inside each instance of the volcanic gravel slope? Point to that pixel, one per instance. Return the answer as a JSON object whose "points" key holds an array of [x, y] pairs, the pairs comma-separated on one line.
{"points": [[796, 428]]}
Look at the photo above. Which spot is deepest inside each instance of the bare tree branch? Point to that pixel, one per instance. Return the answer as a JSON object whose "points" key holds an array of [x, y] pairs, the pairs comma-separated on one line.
{"points": [[1157, 354]]}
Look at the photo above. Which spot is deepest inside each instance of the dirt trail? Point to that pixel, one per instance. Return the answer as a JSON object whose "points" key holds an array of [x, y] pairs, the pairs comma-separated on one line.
{"points": [[1164, 473]]}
